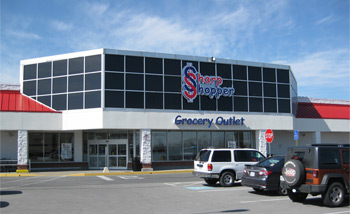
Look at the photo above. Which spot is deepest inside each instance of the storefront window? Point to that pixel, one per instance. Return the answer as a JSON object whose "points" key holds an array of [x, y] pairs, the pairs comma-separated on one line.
{"points": [[190, 145], [203, 140], [218, 139], [159, 147], [118, 135], [67, 146], [175, 145], [51, 147], [245, 140], [36, 146], [231, 139]]}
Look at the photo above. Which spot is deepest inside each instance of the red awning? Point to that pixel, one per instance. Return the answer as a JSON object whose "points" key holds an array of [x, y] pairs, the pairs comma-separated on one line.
{"points": [[323, 111], [14, 101]]}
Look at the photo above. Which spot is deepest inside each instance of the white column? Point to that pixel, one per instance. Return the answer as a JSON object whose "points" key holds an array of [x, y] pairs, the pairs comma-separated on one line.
{"points": [[316, 138], [262, 142], [146, 150], [78, 146], [22, 150]]}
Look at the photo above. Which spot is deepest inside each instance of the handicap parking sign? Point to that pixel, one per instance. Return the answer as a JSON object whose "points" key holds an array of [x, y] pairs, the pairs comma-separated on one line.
{"points": [[296, 135]]}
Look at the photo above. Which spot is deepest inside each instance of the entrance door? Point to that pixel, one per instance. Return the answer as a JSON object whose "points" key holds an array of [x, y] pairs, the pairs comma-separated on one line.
{"points": [[112, 154]]}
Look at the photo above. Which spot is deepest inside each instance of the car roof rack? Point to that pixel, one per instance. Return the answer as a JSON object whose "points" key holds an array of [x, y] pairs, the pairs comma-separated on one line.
{"points": [[333, 145]]}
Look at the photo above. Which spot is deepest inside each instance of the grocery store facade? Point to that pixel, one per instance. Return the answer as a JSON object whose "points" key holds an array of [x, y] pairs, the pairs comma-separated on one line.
{"points": [[112, 108]]}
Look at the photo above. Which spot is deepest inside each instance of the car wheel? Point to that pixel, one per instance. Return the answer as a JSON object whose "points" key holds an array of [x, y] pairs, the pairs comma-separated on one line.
{"points": [[293, 172], [227, 179], [334, 195], [296, 197], [282, 191], [210, 181]]}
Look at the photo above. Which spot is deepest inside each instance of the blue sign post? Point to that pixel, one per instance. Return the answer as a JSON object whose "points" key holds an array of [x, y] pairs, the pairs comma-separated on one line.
{"points": [[296, 136]]}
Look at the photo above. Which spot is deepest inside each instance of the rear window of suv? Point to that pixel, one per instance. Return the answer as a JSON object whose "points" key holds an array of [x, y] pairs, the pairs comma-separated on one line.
{"points": [[329, 158], [203, 155], [221, 156]]}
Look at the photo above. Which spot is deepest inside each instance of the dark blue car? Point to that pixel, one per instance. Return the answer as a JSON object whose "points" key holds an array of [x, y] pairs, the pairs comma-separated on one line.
{"points": [[265, 175]]}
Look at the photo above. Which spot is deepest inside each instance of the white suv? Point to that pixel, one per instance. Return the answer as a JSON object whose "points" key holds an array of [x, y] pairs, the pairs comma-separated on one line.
{"points": [[224, 165]]}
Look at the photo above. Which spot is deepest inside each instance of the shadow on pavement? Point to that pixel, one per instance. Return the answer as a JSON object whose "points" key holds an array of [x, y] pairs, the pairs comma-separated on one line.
{"points": [[14, 192], [4, 204]]}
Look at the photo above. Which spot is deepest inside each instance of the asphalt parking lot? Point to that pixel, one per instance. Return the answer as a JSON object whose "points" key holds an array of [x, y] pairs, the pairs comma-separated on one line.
{"points": [[143, 193]]}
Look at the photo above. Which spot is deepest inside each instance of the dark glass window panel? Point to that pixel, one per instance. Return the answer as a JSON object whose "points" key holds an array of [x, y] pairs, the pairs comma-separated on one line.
{"points": [[191, 106], [225, 103], [282, 76], [75, 101], [134, 81], [93, 81], [227, 83], [269, 90], [134, 64], [283, 106], [254, 73], [114, 99], [154, 100], [76, 65], [172, 84], [93, 99], [29, 88], [224, 71], [93, 63], [59, 102], [154, 65], [114, 80], [240, 103], [270, 105], [269, 74], [172, 67], [255, 105], [239, 72], [172, 101], [29, 72], [44, 86], [154, 83], [60, 85], [46, 100], [208, 104], [114, 62], [240, 87], [75, 83], [44, 70], [60, 68], [255, 89], [283, 91], [208, 69], [134, 99], [184, 63]]}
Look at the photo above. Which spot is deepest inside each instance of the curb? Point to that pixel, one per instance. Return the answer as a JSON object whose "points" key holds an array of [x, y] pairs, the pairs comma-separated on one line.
{"points": [[96, 174]]}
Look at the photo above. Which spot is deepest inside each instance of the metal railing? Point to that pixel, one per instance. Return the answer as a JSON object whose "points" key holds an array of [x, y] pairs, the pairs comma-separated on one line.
{"points": [[7, 165]]}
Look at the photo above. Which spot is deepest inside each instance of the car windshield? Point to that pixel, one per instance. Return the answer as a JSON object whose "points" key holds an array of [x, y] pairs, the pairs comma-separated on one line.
{"points": [[203, 155], [271, 161]]}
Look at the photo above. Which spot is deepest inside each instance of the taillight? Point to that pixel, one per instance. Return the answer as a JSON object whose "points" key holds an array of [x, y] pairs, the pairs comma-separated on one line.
{"points": [[245, 171], [264, 172], [315, 173], [210, 167]]}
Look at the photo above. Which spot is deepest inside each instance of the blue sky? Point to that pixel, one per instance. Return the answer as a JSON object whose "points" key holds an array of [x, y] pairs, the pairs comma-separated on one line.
{"points": [[311, 36]]}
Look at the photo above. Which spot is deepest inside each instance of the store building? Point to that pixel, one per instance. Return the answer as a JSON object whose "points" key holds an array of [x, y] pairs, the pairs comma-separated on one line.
{"points": [[105, 108]]}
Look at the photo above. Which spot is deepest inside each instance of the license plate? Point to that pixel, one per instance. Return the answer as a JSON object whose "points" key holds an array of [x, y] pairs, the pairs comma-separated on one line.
{"points": [[252, 174]]}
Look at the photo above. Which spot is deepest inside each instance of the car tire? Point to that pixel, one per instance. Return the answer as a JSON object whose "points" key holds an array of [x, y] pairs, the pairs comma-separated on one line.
{"points": [[227, 179], [210, 181], [334, 195], [293, 172], [296, 197]]}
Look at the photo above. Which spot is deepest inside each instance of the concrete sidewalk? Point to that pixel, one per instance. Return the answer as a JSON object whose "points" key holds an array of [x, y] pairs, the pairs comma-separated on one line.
{"points": [[92, 173]]}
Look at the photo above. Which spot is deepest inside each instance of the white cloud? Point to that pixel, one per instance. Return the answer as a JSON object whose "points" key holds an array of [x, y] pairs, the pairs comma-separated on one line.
{"points": [[61, 26], [324, 20], [23, 34]]}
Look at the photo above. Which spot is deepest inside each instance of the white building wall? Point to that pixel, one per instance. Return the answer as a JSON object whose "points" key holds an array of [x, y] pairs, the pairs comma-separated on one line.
{"points": [[8, 145], [335, 137]]}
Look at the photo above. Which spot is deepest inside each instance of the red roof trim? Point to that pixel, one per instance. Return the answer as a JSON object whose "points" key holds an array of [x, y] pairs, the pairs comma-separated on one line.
{"points": [[323, 111], [14, 101]]}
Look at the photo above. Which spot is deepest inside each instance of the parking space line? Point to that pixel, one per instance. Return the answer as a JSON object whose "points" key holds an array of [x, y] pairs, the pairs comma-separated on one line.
{"points": [[105, 178], [39, 182], [346, 211], [226, 189], [278, 199]]}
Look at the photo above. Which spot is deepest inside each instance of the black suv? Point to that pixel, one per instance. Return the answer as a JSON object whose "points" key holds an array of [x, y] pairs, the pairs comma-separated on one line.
{"points": [[317, 169]]}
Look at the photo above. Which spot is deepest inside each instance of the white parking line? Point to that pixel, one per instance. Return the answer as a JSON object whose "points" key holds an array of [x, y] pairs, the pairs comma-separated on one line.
{"points": [[39, 182], [105, 178], [347, 211], [226, 189], [278, 199], [132, 177]]}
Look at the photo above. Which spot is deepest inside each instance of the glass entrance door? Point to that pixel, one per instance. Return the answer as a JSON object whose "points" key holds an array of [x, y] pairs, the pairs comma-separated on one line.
{"points": [[112, 154]]}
